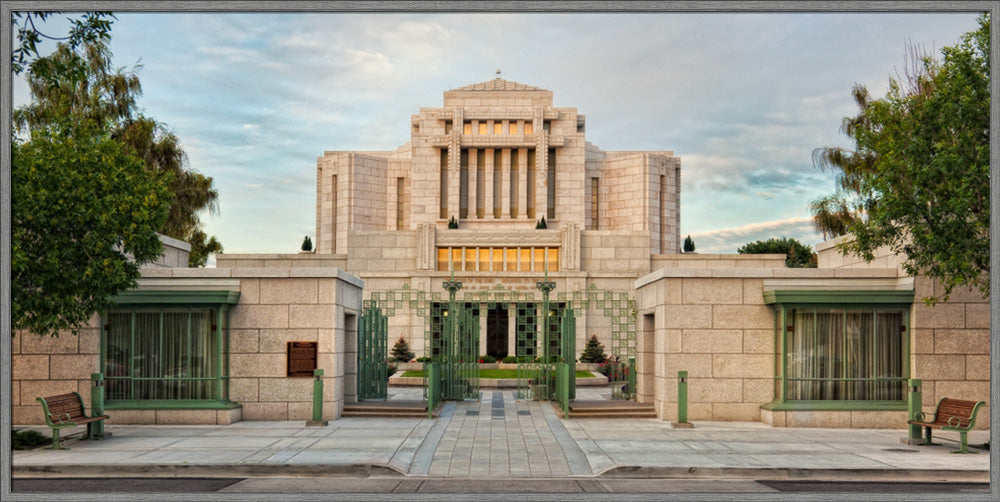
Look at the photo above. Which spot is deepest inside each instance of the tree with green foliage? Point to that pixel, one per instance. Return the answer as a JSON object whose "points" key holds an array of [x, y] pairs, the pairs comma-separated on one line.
{"points": [[401, 352], [90, 27], [798, 255], [84, 217], [593, 352], [688, 244], [917, 180], [80, 82]]}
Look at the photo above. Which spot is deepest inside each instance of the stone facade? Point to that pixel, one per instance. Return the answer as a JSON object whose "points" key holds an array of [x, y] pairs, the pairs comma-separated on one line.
{"points": [[277, 305]]}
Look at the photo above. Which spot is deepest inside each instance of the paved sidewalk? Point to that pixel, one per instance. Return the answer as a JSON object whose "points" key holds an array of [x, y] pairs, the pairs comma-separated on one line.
{"points": [[501, 437]]}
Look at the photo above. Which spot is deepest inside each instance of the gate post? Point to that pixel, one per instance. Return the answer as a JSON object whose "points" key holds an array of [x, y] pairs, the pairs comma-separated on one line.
{"points": [[432, 371], [563, 376]]}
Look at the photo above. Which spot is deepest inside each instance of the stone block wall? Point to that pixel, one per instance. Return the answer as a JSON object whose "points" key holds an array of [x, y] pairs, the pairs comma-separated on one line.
{"points": [[277, 305], [44, 366], [718, 329]]}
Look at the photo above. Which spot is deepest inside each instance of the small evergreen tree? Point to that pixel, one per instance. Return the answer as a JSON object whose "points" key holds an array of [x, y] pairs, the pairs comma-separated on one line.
{"points": [[452, 223], [307, 244], [593, 352], [401, 351], [541, 224], [688, 245]]}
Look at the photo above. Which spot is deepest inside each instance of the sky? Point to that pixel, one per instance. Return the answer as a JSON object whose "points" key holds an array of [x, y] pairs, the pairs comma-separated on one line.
{"points": [[742, 98]]}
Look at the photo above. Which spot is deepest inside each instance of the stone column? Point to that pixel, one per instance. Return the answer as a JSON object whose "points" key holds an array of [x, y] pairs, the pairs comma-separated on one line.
{"points": [[511, 329], [483, 314]]}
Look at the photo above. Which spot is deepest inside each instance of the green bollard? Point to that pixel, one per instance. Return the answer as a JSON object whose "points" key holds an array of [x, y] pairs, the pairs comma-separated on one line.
{"points": [[914, 409], [95, 430], [317, 418], [682, 402]]}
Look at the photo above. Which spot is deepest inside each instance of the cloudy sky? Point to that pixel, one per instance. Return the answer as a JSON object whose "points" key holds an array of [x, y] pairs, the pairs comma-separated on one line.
{"points": [[743, 99]]}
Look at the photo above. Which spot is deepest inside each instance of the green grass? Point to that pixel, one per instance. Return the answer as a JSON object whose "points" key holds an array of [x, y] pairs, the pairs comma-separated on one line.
{"points": [[491, 373]]}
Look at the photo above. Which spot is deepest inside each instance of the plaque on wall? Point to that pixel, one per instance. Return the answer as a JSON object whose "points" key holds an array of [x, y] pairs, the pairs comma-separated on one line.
{"points": [[301, 359]]}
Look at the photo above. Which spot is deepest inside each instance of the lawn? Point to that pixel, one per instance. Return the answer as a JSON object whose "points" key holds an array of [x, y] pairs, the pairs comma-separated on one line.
{"points": [[494, 373]]}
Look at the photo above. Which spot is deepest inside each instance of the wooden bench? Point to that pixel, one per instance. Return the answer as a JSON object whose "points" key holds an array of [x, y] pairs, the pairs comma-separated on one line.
{"points": [[66, 410], [952, 415]]}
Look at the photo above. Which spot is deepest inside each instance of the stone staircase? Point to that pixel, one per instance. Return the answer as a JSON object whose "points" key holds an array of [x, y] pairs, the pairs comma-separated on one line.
{"points": [[608, 409], [393, 408]]}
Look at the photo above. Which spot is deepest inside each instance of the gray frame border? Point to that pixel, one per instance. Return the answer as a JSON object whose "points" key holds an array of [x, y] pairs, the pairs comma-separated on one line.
{"points": [[493, 6]]}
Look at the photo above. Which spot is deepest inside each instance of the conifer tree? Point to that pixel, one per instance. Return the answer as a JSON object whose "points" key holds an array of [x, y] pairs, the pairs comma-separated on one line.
{"points": [[593, 352], [401, 351]]}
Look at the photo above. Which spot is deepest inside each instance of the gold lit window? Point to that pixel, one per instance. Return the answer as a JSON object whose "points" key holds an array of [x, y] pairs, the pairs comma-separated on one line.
{"points": [[467, 128], [498, 259], [482, 128], [513, 128], [497, 128], [529, 128]]}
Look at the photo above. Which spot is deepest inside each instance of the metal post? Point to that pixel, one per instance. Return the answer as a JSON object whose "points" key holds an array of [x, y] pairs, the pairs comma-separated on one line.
{"points": [[630, 377], [682, 404], [433, 372], [95, 430], [317, 418], [914, 409]]}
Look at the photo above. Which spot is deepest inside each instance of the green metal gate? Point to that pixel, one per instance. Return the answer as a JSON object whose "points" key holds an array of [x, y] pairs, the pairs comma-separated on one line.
{"points": [[459, 353], [373, 367]]}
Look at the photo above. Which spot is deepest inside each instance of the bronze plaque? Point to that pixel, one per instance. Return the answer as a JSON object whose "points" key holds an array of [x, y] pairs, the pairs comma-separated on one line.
{"points": [[301, 359]]}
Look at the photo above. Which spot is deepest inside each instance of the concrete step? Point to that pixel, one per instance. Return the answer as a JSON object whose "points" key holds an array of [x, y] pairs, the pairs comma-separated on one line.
{"points": [[383, 414], [609, 409], [411, 409]]}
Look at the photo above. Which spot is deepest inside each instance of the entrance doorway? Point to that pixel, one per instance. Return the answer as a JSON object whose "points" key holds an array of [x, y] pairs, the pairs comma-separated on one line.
{"points": [[497, 325]]}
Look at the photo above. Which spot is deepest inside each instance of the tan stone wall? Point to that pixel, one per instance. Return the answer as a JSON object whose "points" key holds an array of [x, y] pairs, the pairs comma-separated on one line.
{"points": [[717, 261], [950, 346], [614, 251], [262, 260], [44, 366], [828, 256], [277, 305]]}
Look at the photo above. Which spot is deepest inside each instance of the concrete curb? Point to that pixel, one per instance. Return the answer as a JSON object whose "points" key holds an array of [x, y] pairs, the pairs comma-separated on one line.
{"points": [[771, 473], [208, 470], [385, 471]]}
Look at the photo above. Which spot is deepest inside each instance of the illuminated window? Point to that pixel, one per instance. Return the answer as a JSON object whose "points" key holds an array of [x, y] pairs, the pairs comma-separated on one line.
{"points": [[443, 258], [467, 128], [539, 259], [498, 127], [484, 259], [497, 259], [525, 259], [513, 127], [482, 128], [470, 259], [529, 128], [511, 261], [553, 258], [456, 258]]}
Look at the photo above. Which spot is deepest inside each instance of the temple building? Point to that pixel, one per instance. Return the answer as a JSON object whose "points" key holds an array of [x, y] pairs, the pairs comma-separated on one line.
{"points": [[499, 204]]}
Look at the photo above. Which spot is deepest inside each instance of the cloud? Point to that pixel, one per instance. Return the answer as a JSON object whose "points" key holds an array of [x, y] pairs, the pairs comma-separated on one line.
{"points": [[728, 240]]}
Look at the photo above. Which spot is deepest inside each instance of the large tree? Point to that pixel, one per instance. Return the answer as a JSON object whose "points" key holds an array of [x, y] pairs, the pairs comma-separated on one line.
{"points": [[89, 27], [917, 179], [81, 82], [85, 214], [797, 255]]}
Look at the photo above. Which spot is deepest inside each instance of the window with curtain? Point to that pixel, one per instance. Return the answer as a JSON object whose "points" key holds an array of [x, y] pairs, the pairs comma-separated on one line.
{"points": [[845, 354], [163, 355]]}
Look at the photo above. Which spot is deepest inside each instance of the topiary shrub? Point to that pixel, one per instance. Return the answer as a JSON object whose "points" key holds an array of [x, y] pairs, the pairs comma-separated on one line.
{"points": [[688, 245], [540, 225], [452, 223], [593, 352], [401, 351], [307, 244]]}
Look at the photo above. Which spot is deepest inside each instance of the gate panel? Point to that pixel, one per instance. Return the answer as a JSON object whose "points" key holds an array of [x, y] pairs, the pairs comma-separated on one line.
{"points": [[460, 347], [373, 367]]}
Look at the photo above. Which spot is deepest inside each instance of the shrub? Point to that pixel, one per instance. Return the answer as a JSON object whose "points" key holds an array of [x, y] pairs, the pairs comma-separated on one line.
{"points": [[26, 440], [593, 352], [510, 360], [541, 224], [688, 245], [424, 359], [401, 352], [452, 223], [392, 369], [486, 358], [307, 244]]}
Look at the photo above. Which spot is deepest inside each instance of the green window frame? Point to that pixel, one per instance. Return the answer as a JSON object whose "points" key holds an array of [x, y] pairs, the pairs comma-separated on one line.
{"points": [[840, 350], [167, 350]]}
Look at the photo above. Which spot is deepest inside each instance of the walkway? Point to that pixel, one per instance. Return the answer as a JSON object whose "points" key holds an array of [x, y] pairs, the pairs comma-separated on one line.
{"points": [[501, 437]]}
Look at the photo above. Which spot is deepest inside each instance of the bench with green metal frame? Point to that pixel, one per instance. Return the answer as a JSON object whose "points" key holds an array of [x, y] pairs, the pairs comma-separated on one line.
{"points": [[951, 415], [66, 410]]}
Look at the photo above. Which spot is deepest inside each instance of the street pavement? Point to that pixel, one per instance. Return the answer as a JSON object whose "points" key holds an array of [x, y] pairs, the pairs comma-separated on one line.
{"points": [[500, 437]]}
